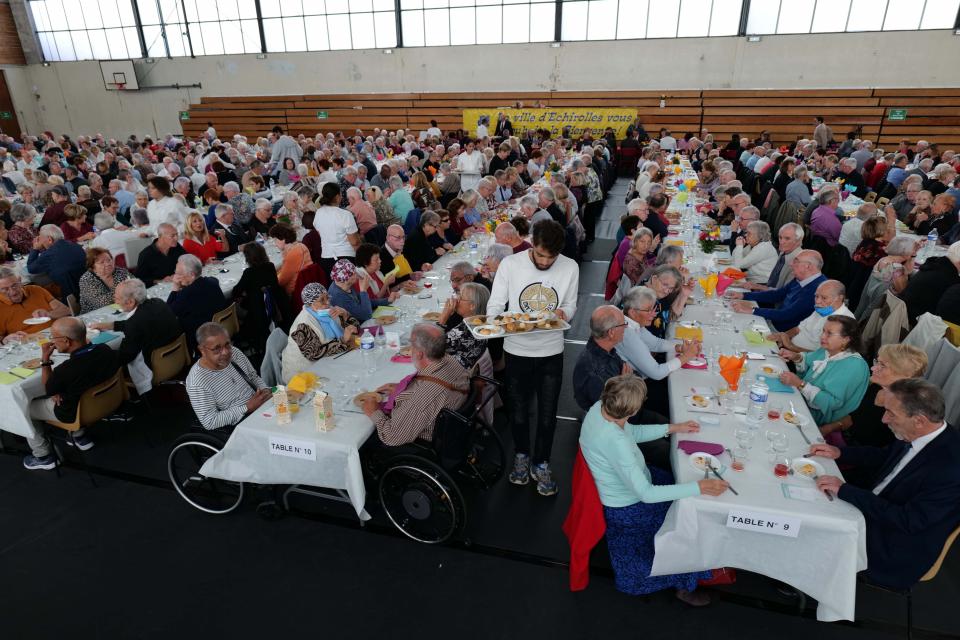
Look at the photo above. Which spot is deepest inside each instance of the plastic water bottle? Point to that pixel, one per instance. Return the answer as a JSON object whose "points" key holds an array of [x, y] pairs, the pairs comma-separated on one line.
{"points": [[932, 238], [260, 239], [367, 344], [757, 411]]}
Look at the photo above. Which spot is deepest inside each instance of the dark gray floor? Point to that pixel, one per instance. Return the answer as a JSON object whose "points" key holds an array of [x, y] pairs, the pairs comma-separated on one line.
{"points": [[137, 563]]}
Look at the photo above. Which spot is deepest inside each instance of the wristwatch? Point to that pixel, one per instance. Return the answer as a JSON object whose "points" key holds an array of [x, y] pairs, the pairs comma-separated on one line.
{"points": [[46, 363]]}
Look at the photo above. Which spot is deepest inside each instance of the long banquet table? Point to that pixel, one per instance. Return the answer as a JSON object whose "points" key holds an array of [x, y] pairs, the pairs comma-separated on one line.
{"points": [[827, 546]]}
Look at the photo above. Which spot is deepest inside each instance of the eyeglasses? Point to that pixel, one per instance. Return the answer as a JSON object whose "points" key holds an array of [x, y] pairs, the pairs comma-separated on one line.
{"points": [[880, 364], [617, 326], [833, 334], [218, 348]]}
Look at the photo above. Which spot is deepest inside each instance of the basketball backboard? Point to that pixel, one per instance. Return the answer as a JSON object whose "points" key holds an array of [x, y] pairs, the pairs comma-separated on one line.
{"points": [[119, 75]]}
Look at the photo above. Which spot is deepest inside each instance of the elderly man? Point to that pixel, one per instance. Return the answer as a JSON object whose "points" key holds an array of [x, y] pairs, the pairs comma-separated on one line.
{"points": [[902, 204], [88, 365], [222, 385], [540, 280], [851, 175], [911, 502], [194, 298], [822, 134], [347, 179], [548, 208], [638, 344], [159, 260], [829, 300], [491, 261], [124, 197], [850, 231], [507, 234], [796, 298], [226, 228], [362, 210], [824, 221], [242, 203], [863, 153], [150, 323], [926, 287], [415, 402], [19, 303], [57, 258], [744, 215], [464, 272], [449, 183]]}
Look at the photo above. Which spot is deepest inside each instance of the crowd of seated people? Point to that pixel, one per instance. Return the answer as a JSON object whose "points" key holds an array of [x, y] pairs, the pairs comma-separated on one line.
{"points": [[358, 219]]}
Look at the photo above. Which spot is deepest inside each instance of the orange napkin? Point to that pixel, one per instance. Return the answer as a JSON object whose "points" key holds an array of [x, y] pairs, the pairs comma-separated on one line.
{"points": [[708, 284], [735, 274], [730, 367]]}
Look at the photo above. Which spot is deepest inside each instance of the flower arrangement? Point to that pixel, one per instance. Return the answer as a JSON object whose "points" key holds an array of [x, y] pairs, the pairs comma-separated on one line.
{"points": [[709, 240], [554, 167]]}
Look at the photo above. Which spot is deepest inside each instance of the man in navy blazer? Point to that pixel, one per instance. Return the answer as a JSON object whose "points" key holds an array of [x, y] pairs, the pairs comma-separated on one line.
{"points": [[796, 298], [912, 503]]}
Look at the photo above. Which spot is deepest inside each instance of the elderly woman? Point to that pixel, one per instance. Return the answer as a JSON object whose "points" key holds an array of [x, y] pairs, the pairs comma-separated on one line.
{"points": [[417, 249], [371, 279], [76, 228], [381, 207], [491, 262], [672, 293], [199, 242], [890, 272], [344, 294], [296, 256], [86, 199], [873, 234], [461, 344], [798, 190], [640, 257], [262, 220], [922, 210], [636, 497], [942, 216], [638, 345], [755, 254], [835, 376], [318, 331], [362, 212], [259, 294], [21, 235], [864, 425], [400, 199], [100, 280]]}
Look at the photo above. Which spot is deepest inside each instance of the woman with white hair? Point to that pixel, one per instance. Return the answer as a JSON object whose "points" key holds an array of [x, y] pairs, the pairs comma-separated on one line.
{"points": [[319, 331], [755, 254]]}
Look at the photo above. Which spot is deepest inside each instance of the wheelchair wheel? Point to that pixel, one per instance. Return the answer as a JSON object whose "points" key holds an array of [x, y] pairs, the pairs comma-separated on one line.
{"points": [[486, 459], [421, 500], [210, 495]]}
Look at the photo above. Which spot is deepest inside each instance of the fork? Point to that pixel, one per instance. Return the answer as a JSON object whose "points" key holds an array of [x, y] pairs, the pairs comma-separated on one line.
{"points": [[829, 493]]}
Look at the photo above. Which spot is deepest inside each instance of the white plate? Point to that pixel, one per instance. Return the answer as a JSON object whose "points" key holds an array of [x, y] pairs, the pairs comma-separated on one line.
{"points": [[32, 321], [807, 467], [703, 461], [700, 402], [771, 371], [495, 331], [697, 362]]}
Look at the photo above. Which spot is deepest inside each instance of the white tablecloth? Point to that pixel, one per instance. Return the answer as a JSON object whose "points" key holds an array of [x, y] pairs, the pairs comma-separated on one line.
{"points": [[822, 560], [247, 455]]}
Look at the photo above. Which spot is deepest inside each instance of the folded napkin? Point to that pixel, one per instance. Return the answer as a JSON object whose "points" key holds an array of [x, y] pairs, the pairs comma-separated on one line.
{"points": [[722, 283], [730, 368], [774, 384], [709, 284], [753, 336], [734, 274], [384, 310], [691, 446], [401, 358], [9, 378], [688, 333], [104, 337], [674, 242]]}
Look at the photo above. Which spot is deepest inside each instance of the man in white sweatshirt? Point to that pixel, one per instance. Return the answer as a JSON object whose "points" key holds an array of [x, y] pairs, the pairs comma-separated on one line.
{"points": [[538, 279]]}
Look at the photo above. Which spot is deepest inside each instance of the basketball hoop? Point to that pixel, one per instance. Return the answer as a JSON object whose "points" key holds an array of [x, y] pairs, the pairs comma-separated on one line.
{"points": [[117, 86]]}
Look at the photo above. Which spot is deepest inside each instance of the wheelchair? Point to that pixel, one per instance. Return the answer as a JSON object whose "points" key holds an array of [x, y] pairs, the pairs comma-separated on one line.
{"points": [[418, 486]]}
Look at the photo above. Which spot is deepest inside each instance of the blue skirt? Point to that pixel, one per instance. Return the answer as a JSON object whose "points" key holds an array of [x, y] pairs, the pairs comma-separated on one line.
{"points": [[630, 532]]}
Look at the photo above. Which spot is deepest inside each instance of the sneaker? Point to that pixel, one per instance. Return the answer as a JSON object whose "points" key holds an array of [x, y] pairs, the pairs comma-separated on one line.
{"points": [[545, 484], [693, 598], [521, 469], [46, 463], [80, 442]]}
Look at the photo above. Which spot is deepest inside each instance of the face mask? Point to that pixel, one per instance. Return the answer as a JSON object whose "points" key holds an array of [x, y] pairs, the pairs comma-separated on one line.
{"points": [[824, 311]]}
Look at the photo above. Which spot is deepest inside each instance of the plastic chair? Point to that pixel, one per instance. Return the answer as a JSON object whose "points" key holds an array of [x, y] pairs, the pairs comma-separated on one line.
{"points": [[168, 361], [73, 304], [870, 197], [953, 334], [228, 319]]}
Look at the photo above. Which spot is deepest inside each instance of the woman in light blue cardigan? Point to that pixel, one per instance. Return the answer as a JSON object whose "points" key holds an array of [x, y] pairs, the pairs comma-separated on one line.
{"points": [[635, 498], [835, 376]]}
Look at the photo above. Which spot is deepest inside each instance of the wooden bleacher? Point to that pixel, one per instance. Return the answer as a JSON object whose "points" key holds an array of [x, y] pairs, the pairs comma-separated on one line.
{"points": [[932, 114]]}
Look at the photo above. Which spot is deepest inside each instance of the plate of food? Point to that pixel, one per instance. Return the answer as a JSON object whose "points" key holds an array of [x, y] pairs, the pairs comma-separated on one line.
{"points": [[698, 401], [793, 418], [808, 468], [487, 331], [724, 261], [702, 461], [689, 324], [35, 321], [476, 321], [32, 363], [431, 316], [360, 397], [405, 351], [385, 320], [770, 370]]}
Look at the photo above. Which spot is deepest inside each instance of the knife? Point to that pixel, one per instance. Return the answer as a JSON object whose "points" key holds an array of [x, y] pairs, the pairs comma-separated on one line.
{"points": [[829, 493], [716, 473]]}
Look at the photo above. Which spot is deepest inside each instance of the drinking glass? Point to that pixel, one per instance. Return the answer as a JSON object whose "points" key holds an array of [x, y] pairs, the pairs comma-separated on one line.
{"points": [[781, 466], [738, 458], [744, 438]]}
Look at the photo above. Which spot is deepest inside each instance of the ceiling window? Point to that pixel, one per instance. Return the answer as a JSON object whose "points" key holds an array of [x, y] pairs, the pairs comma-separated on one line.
{"points": [[439, 23], [838, 16], [85, 29], [322, 25], [639, 19]]}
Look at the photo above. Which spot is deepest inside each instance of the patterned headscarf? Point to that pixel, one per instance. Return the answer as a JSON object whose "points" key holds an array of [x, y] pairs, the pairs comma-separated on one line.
{"points": [[312, 292], [343, 270]]}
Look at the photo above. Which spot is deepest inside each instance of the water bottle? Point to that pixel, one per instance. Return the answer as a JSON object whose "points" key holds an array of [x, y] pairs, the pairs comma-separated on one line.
{"points": [[367, 344], [757, 411], [260, 239], [380, 340], [932, 238]]}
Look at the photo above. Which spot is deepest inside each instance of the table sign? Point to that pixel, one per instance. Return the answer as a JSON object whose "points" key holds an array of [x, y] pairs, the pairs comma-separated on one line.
{"points": [[291, 448], [761, 522]]}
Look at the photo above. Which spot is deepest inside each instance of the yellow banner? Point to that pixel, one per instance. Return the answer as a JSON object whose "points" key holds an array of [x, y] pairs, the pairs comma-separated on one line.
{"points": [[579, 119]]}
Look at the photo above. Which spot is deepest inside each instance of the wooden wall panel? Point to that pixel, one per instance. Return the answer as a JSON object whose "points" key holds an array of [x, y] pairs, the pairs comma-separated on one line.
{"points": [[11, 51], [932, 114]]}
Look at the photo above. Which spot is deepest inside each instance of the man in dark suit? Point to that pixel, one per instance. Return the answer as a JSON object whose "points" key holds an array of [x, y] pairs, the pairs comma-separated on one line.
{"points": [[159, 260], [796, 298], [151, 322], [226, 228], [194, 298], [504, 129], [912, 501]]}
